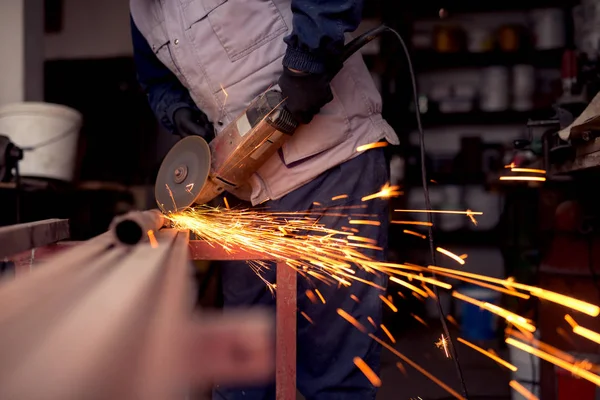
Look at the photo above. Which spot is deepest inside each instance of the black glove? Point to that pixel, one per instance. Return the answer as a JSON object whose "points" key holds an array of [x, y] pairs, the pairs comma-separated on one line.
{"points": [[305, 93], [190, 122]]}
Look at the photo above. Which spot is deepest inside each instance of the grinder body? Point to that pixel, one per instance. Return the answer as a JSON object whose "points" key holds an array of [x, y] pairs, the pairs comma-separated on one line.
{"points": [[246, 144]]}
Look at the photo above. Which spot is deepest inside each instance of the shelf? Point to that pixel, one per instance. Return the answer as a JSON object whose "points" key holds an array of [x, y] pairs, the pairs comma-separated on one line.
{"points": [[431, 8], [429, 60], [434, 118]]}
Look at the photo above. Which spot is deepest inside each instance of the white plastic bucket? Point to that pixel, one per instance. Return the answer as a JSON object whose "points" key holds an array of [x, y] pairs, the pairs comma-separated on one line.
{"points": [[51, 129]]}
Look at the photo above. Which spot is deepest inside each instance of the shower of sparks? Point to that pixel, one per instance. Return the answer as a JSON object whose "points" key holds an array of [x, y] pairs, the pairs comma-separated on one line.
{"points": [[367, 371], [307, 317], [320, 296], [226, 203], [575, 369], [488, 354], [417, 234], [419, 319], [334, 257], [371, 146], [340, 197], [417, 367], [530, 170], [311, 296], [451, 255], [388, 333], [523, 178], [522, 390], [152, 239], [389, 303], [443, 344], [352, 320], [421, 223], [386, 192]]}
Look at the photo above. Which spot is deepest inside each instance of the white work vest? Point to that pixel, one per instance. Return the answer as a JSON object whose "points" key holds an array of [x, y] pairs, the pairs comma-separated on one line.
{"points": [[226, 52]]}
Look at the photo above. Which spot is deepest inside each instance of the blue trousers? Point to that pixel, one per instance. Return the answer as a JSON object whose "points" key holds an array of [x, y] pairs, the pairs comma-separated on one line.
{"points": [[325, 350]]}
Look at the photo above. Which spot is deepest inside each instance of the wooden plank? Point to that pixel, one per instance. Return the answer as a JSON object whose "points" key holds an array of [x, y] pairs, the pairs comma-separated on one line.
{"points": [[285, 351], [21, 237]]}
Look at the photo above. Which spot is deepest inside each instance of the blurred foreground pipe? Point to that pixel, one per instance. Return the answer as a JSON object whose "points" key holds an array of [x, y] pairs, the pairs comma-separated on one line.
{"points": [[133, 227]]}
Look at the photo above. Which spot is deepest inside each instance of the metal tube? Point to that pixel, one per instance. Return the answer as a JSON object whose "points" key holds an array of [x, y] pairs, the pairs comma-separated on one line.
{"points": [[133, 227]]}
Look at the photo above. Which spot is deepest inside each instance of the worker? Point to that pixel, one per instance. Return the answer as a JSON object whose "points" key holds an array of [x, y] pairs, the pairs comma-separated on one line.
{"points": [[201, 62]]}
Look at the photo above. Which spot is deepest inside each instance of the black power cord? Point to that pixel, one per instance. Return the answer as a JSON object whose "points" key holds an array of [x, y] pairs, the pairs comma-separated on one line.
{"points": [[425, 185]]}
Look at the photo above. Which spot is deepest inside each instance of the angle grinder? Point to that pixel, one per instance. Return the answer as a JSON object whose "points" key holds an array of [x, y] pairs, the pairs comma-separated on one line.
{"points": [[195, 172]]}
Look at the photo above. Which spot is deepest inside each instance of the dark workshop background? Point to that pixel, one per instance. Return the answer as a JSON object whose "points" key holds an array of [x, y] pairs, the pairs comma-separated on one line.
{"points": [[484, 69]]}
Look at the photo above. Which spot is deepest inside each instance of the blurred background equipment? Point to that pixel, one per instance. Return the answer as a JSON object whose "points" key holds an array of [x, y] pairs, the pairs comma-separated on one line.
{"points": [[501, 87]]}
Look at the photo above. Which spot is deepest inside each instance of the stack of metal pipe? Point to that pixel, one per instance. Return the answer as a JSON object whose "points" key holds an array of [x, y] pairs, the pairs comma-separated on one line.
{"points": [[114, 318]]}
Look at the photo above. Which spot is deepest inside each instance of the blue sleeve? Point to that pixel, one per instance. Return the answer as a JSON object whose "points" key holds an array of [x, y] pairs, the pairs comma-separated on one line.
{"points": [[318, 32], [164, 91]]}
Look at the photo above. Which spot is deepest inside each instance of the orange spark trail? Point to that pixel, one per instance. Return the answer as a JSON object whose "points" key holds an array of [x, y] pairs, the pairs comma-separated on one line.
{"points": [[352, 320], [372, 322], [464, 256], [417, 367], [443, 343], [316, 203], [522, 390], [389, 303], [386, 192], [468, 212], [367, 371], [401, 368], [311, 296], [417, 234], [364, 222], [574, 369], [226, 203], [451, 319], [388, 333], [432, 281], [523, 178], [509, 291], [341, 196], [320, 296], [409, 286], [581, 331], [507, 315], [570, 320], [356, 299], [488, 354], [307, 317], [419, 319], [421, 223], [579, 305], [451, 255], [152, 239], [371, 146], [530, 170]]}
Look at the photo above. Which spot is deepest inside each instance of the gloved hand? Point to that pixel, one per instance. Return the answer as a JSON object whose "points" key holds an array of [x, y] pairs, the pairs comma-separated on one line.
{"points": [[190, 122], [305, 93]]}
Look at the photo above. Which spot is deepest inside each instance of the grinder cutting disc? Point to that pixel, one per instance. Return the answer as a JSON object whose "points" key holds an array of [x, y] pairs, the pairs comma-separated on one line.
{"points": [[182, 174]]}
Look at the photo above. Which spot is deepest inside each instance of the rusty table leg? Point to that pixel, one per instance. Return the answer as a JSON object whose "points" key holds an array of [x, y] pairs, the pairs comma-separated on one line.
{"points": [[286, 333]]}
